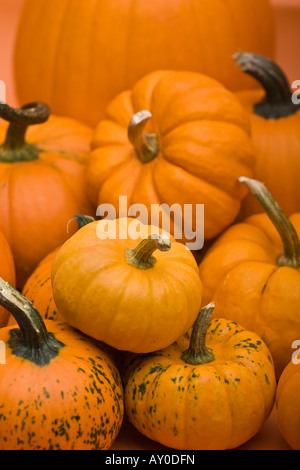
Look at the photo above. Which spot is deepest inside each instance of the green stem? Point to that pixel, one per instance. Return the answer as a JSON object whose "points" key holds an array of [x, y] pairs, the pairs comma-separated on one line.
{"points": [[145, 143], [142, 257], [31, 341], [198, 353], [15, 148], [286, 230], [277, 102], [83, 220]]}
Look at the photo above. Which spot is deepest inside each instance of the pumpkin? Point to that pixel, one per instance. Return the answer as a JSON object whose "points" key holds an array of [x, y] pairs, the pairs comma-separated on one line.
{"points": [[126, 284], [42, 184], [212, 389], [7, 272], [177, 139], [251, 272], [60, 390], [38, 287], [275, 122], [287, 404], [79, 55]]}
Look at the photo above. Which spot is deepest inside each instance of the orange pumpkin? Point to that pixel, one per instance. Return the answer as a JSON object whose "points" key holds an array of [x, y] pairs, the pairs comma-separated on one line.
{"points": [[7, 272], [210, 390], [275, 122], [42, 181], [252, 274], [59, 390], [287, 404], [186, 147], [126, 284], [79, 55]]}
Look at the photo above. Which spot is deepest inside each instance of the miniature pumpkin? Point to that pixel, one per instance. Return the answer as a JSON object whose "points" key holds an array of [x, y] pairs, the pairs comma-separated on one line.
{"points": [[287, 404], [275, 122], [210, 390], [7, 272], [252, 274], [38, 287], [108, 284], [59, 389], [79, 55], [42, 182], [178, 139]]}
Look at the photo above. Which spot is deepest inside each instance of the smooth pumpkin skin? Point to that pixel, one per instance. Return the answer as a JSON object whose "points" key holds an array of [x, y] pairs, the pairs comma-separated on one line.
{"points": [[128, 308], [73, 403], [204, 143], [277, 145], [77, 56], [239, 272], [7, 272], [38, 198], [287, 404], [214, 406]]}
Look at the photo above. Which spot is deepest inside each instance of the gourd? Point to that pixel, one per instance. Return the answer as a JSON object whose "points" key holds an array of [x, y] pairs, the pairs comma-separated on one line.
{"points": [[77, 56], [127, 284], [59, 389], [42, 183], [251, 272], [212, 389]]}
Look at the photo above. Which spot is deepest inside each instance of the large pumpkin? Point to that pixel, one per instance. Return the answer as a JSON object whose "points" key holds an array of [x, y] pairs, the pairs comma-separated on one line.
{"points": [[210, 390], [275, 123], [252, 273], [42, 181], [59, 390], [77, 55], [127, 284], [7, 272], [176, 139]]}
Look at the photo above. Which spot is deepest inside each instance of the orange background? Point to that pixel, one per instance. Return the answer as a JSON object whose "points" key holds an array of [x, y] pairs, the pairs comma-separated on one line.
{"points": [[287, 19]]}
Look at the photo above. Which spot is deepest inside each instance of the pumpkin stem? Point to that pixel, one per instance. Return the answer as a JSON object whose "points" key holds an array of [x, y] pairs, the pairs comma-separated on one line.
{"points": [[15, 148], [141, 256], [278, 100], [83, 220], [198, 353], [286, 230], [32, 340], [145, 143]]}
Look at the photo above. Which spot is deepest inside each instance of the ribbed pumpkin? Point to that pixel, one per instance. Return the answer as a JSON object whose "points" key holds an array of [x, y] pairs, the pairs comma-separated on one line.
{"points": [[7, 272], [38, 287], [77, 55], [59, 390], [275, 122], [42, 184], [287, 404], [175, 139], [210, 390], [252, 274], [126, 284]]}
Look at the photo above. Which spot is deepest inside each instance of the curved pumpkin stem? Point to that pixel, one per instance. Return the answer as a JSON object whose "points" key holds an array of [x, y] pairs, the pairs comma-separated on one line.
{"points": [[32, 341], [15, 147], [278, 100], [83, 220], [198, 353], [286, 230], [141, 256], [145, 143]]}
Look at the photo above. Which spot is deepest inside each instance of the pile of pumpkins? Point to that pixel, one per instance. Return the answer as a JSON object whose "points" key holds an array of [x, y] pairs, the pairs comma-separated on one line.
{"points": [[102, 318]]}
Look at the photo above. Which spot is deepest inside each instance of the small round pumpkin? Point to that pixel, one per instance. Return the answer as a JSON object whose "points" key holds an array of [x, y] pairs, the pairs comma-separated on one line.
{"points": [[176, 139], [251, 272], [7, 272], [287, 404], [42, 184], [126, 284], [275, 122], [59, 389], [210, 390]]}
